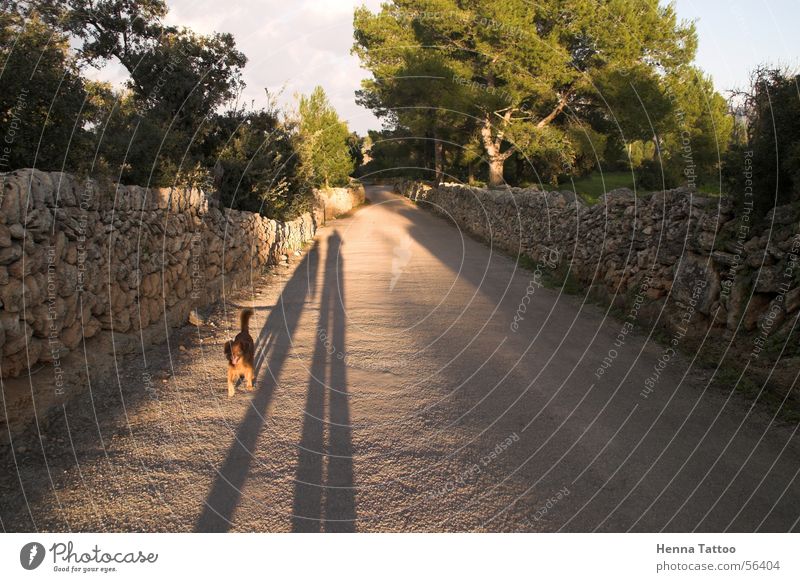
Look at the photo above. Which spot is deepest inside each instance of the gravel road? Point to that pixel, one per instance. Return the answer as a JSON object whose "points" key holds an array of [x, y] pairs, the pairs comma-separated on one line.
{"points": [[396, 393]]}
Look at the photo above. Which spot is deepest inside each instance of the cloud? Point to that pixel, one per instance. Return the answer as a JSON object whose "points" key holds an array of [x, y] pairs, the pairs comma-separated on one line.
{"points": [[292, 45], [297, 45]]}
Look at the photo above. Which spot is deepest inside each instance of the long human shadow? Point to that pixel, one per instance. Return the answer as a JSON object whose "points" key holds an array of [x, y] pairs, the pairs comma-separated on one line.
{"points": [[320, 503], [276, 338]]}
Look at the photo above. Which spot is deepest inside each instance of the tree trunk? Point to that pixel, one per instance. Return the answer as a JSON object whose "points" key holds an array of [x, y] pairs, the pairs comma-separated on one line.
{"points": [[428, 148], [438, 157], [496, 159], [496, 164]]}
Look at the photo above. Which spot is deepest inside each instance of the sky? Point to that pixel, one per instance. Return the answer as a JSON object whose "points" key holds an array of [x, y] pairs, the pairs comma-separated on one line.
{"points": [[294, 45]]}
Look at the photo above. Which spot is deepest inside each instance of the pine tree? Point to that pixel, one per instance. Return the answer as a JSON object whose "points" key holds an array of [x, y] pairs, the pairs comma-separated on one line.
{"points": [[522, 71], [323, 141]]}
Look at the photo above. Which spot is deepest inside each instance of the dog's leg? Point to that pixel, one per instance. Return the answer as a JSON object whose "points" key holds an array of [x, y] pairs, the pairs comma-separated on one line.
{"points": [[248, 375], [231, 379]]}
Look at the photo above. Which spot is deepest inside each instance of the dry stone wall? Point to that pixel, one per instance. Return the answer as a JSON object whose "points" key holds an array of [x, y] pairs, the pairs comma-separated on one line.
{"points": [[685, 261], [338, 201], [84, 262]]}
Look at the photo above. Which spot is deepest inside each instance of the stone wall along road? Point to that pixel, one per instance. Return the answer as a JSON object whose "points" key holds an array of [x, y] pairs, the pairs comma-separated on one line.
{"points": [[684, 262], [89, 271]]}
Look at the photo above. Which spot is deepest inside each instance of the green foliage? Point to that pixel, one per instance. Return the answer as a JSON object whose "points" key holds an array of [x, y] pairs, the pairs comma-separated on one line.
{"points": [[174, 72], [323, 142], [674, 133], [43, 107], [515, 67], [395, 153], [121, 29], [135, 148], [552, 153], [177, 78], [257, 167], [187, 75], [356, 147], [700, 131], [637, 106], [589, 147], [591, 187], [167, 127], [771, 146], [658, 174]]}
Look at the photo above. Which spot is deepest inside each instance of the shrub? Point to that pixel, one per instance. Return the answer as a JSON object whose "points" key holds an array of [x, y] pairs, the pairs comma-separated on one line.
{"points": [[771, 113], [655, 175], [257, 167]]}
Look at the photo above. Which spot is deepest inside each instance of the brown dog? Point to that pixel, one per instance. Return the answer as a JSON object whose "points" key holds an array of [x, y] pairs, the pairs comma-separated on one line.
{"points": [[240, 353]]}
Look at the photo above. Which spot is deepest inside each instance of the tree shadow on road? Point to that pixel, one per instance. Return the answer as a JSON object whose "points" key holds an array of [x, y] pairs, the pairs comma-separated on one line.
{"points": [[276, 339], [321, 503]]}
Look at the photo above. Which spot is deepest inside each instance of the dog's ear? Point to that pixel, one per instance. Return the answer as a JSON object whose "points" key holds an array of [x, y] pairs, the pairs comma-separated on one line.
{"points": [[228, 349]]}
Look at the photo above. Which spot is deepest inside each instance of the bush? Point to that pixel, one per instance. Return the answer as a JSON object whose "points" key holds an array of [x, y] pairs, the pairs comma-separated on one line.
{"points": [[257, 167], [771, 148], [655, 175]]}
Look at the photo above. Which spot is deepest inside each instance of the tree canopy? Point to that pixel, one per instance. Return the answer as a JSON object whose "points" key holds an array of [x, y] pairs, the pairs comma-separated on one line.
{"points": [[44, 99], [536, 80]]}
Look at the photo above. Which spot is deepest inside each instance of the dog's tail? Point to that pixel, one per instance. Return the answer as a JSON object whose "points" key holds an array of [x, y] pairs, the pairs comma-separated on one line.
{"points": [[244, 319]]}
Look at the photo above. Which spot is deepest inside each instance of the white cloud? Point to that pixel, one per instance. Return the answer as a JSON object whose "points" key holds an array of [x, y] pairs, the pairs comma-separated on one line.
{"points": [[296, 44], [290, 44]]}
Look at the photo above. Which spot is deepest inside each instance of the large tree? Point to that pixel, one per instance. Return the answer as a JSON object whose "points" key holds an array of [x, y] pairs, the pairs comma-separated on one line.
{"points": [[521, 65]]}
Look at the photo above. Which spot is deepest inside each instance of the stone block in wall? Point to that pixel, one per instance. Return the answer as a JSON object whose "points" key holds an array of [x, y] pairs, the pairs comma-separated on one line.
{"points": [[12, 201], [754, 310], [11, 295], [5, 236], [769, 279], [792, 300], [18, 335], [10, 254]]}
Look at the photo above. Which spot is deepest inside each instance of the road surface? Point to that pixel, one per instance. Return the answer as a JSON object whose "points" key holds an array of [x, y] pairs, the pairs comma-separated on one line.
{"points": [[395, 393]]}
